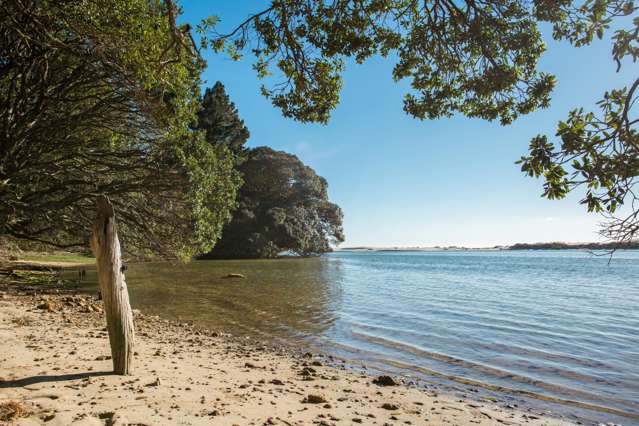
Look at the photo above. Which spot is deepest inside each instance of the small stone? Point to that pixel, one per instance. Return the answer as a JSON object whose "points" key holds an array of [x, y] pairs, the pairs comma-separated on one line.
{"points": [[314, 399], [155, 383], [234, 276], [385, 381], [48, 306], [307, 371]]}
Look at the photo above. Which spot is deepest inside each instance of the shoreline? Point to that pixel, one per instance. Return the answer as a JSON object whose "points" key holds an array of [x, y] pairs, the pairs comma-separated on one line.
{"points": [[56, 364]]}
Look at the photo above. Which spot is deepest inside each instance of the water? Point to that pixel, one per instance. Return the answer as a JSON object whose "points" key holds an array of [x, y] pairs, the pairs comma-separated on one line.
{"points": [[558, 324]]}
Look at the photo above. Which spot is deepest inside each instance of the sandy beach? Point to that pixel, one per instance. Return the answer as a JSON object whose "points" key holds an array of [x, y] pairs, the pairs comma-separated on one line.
{"points": [[55, 370]]}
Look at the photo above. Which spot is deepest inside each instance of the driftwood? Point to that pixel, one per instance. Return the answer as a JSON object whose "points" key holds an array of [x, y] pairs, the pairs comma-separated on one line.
{"points": [[106, 248]]}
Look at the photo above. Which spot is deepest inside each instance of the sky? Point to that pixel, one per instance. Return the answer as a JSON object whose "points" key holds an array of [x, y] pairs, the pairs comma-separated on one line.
{"points": [[405, 182]]}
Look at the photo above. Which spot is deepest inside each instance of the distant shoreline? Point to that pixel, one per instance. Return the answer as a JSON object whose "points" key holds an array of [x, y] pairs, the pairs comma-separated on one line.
{"points": [[517, 246]]}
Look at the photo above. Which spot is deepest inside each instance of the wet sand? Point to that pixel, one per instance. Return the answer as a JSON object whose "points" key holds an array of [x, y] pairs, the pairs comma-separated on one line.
{"points": [[55, 363]]}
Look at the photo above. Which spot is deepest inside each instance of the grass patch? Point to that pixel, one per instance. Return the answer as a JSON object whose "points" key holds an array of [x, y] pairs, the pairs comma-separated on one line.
{"points": [[44, 257], [37, 277], [12, 410]]}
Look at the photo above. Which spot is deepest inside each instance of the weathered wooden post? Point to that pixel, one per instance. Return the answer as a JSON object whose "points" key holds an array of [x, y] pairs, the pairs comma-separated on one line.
{"points": [[115, 296]]}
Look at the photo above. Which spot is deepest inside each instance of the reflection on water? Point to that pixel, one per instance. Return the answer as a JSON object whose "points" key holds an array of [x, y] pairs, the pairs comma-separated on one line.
{"points": [[562, 325], [288, 298]]}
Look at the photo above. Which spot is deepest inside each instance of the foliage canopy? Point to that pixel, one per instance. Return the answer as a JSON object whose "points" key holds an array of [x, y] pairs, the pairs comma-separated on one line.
{"points": [[476, 58], [282, 206], [220, 121], [97, 97], [598, 151]]}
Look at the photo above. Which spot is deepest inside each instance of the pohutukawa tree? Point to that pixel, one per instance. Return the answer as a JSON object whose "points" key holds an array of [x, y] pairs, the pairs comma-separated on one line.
{"points": [[97, 97], [283, 206], [477, 58]]}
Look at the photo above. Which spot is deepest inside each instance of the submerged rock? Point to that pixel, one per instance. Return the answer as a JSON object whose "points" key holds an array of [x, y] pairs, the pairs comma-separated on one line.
{"points": [[234, 276]]}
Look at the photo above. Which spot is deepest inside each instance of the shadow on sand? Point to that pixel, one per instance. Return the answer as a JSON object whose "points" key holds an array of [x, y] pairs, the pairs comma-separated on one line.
{"points": [[17, 383]]}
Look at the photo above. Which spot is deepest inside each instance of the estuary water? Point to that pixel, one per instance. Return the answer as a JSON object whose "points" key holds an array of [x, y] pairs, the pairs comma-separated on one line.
{"points": [[559, 325]]}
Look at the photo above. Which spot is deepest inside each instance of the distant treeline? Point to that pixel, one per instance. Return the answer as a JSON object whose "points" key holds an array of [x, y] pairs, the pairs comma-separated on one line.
{"points": [[563, 246]]}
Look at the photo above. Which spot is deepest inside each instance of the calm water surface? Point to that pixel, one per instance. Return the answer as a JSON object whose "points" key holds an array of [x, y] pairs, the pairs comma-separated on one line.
{"points": [[562, 324]]}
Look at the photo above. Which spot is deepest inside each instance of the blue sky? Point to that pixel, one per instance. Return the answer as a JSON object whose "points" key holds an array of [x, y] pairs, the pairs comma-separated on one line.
{"points": [[404, 182]]}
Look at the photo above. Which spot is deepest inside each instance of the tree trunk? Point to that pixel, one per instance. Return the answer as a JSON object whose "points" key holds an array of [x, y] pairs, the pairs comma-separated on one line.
{"points": [[106, 248]]}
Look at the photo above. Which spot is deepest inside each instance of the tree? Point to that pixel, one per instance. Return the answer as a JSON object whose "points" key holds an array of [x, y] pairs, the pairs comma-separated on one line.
{"points": [[97, 97], [220, 121], [282, 206]]}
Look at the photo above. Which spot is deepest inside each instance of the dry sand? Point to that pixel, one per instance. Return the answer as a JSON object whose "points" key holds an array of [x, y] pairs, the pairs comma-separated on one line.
{"points": [[54, 362]]}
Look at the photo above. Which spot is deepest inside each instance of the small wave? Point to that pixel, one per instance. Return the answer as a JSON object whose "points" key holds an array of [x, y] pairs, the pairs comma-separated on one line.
{"points": [[384, 364], [496, 373]]}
